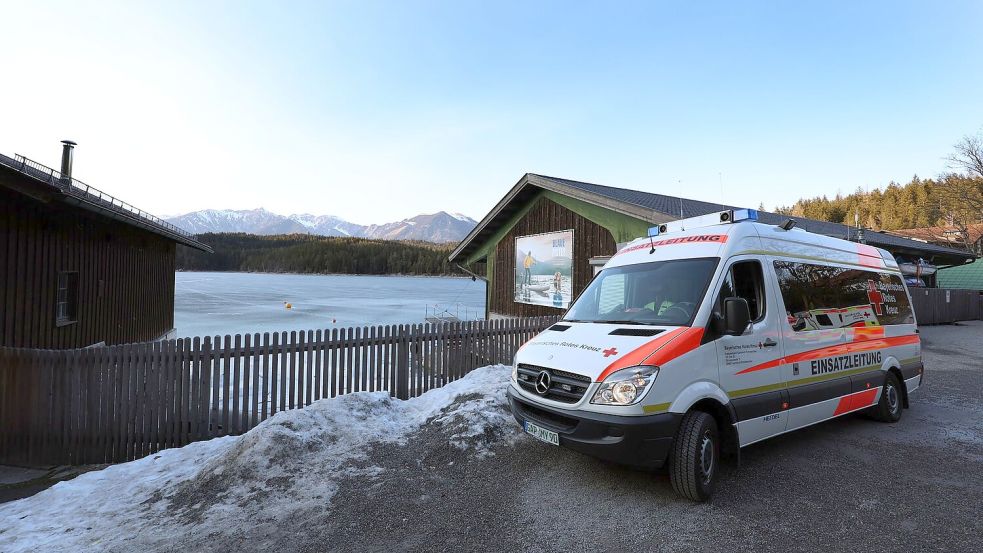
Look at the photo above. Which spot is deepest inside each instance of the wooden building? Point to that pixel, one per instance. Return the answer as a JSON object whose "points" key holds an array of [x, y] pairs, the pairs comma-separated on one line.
{"points": [[968, 237], [521, 247], [77, 266]]}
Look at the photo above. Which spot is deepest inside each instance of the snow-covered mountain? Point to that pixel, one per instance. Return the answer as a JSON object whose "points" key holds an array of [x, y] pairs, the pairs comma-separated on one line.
{"points": [[253, 221], [327, 225], [435, 227]]}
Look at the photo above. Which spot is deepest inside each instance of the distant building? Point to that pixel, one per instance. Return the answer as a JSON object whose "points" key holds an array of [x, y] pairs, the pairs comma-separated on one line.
{"points": [[970, 238], [541, 244], [77, 266]]}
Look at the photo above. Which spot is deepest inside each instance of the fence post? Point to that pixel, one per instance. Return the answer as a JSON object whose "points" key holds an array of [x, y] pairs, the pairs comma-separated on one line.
{"points": [[402, 362]]}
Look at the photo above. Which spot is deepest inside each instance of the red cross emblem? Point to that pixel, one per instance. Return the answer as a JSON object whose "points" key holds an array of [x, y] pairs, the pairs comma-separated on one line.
{"points": [[874, 297], [610, 351]]}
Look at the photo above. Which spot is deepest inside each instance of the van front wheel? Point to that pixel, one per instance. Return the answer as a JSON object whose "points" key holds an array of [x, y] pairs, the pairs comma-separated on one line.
{"points": [[695, 457]]}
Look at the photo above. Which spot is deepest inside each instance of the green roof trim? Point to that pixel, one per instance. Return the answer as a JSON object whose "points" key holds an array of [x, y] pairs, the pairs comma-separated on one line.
{"points": [[623, 228], [964, 277], [489, 245]]}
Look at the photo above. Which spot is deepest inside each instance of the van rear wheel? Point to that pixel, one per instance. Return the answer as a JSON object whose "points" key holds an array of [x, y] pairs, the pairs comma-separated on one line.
{"points": [[889, 408], [694, 461]]}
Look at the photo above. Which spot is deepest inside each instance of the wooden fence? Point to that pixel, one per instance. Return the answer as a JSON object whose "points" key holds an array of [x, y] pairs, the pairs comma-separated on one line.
{"points": [[942, 306], [118, 403]]}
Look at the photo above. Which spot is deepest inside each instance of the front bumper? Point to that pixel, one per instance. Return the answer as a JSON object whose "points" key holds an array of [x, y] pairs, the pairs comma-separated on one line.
{"points": [[642, 441]]}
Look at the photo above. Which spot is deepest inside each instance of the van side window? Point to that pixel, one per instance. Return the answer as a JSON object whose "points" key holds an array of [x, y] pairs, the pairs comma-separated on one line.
{"points": [[745, 279], [820, 297]]}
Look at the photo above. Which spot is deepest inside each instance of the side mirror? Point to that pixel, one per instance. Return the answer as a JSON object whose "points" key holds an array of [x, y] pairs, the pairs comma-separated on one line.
{"points": [[737, 316]]}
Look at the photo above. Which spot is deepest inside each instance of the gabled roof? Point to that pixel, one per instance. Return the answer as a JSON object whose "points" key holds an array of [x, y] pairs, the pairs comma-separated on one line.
{"points": [[944, 235], [77, 193], [660, 208]]}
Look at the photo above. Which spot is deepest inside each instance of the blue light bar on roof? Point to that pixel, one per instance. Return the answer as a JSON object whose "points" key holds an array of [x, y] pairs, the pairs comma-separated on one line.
{"points": [[745, 215]]}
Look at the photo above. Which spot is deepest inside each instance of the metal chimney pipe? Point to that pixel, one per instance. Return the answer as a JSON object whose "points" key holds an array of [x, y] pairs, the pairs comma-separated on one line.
{"points": [[66, 159]]}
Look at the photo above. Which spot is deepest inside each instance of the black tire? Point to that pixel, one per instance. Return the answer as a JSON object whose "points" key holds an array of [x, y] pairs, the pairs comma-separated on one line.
{"points": [[889, 408], [694, 461]]}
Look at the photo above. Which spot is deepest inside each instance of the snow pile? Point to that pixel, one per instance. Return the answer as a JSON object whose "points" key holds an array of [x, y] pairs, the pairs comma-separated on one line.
{"points": [[289, 464], [475, 422]]}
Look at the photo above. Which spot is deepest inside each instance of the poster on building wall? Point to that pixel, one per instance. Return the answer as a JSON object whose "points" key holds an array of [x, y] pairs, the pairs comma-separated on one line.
{"points": [[544, 269]]}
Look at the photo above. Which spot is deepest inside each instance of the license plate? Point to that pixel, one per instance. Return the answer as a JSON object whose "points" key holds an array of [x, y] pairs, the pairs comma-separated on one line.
{"points": [[541, 434]]}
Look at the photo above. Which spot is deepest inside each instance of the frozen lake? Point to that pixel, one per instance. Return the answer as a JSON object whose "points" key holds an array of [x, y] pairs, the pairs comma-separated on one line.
{"points": [[237, 303]]}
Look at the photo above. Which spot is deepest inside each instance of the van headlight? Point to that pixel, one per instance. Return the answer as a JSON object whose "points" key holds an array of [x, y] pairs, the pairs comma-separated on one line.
{"points": [[515, 371], [626, 386]]}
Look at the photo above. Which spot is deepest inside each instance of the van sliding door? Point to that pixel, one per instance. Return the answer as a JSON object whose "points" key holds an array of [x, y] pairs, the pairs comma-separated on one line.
{"points": [[828, 310]]}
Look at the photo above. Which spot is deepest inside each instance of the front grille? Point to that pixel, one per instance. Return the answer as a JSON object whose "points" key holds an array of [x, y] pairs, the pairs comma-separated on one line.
{"points": [[565, 387]]}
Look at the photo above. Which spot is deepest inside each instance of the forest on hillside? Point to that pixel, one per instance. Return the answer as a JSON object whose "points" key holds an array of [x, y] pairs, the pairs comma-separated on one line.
{"points": [[953, 199], [302, 253]]}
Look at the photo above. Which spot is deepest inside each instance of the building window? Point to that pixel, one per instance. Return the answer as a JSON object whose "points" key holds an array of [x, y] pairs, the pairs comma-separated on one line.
{"points": [[66, 303]]}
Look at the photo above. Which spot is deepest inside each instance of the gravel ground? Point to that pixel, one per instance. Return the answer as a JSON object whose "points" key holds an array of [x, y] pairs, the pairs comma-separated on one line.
{"points": [[851, 484]]}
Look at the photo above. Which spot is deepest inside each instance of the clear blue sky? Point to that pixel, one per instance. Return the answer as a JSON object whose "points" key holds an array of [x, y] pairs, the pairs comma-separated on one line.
{"points": [[377, 111]]}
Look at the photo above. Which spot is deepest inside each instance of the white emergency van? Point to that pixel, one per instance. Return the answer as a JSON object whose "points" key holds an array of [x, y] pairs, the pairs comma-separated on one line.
{"points": [[714, 333]]}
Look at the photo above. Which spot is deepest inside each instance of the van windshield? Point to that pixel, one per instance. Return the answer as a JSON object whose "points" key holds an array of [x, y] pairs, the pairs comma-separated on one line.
{"points": [[657, 293]]}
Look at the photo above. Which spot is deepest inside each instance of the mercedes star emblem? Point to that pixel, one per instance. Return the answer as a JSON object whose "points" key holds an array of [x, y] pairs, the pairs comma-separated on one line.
{"points": [[543, 383]]}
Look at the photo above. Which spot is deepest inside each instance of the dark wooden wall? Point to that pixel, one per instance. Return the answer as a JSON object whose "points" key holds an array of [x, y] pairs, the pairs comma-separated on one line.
{"points": [[125, 276], [589, 240]]}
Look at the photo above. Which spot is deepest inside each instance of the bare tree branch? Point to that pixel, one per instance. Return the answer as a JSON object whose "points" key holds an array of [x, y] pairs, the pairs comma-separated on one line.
{"points": [[968, 157]]}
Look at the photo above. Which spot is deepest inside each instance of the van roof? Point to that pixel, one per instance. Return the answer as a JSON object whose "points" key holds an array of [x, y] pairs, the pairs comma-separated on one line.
{"points": [[751, 238]]}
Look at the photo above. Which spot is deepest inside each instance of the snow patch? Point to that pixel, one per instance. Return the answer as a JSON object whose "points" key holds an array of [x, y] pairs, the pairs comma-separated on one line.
{"points": [[291, 463], [305, 219]]}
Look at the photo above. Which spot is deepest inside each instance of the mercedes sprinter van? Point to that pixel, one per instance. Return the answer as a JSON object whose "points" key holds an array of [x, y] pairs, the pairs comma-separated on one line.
{"points": [[713, 333]]}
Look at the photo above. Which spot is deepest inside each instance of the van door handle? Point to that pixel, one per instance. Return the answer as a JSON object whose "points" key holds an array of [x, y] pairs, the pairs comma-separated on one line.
{"points": [[769, 343]]}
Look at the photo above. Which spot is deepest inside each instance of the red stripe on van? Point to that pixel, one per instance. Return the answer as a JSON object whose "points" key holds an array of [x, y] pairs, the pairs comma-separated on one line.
{"points": [[763, 366], [839, 349], [858, 400], [869, 256], [638, 355], [687, 341], [868, 332]]}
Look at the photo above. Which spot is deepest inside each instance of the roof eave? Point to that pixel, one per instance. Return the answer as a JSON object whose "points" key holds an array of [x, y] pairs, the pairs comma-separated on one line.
{"points": [[33, 183], [487, 219], [137, 222], [538, 181]]}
